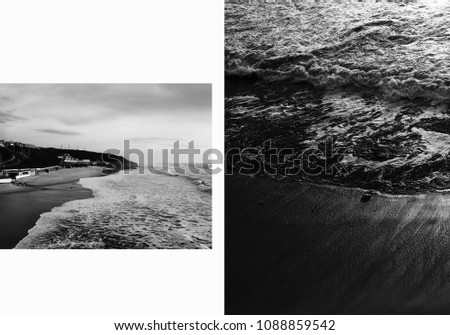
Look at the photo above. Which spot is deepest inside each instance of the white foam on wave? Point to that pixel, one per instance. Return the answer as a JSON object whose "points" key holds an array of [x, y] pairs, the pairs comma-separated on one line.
{"points": [[128, 211], [400, 50]]}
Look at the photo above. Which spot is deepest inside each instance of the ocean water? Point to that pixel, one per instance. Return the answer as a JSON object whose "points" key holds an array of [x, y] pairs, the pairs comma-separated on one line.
{"points": [[371, 78], [400, 49], [163, 210]]}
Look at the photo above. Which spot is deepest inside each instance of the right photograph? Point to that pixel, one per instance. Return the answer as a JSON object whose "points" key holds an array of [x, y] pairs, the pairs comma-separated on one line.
{"points": [[337, 138]]}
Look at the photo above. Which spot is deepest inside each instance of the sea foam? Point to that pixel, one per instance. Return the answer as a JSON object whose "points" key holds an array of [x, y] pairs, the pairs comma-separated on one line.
{"points": [[403, 51], [128, 211]]}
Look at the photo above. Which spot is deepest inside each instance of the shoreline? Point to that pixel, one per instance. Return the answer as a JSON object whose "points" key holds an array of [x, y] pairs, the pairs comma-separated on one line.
{"points": [[22, 206], [308, 249], [329, 183], [361, 116], [384, 167]]}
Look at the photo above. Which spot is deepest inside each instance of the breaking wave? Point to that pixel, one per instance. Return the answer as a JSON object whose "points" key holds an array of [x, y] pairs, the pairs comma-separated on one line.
{"points": [[199, 177], [399, 50], [129, 212]]}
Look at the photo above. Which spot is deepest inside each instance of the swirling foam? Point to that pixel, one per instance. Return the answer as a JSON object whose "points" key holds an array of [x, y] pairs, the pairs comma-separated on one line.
{"points": [[128, 211], [403, 51]]}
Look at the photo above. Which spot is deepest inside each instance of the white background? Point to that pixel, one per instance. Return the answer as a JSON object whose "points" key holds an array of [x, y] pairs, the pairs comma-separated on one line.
{"points": [[54, 41], [134, 41]]}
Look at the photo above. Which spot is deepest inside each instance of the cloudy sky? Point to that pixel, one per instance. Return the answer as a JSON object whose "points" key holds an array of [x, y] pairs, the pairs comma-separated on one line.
{"points": [[101, 116]]}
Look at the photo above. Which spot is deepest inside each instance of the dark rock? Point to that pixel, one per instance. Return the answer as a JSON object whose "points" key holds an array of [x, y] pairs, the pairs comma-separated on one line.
{"points": [[366, 198]]}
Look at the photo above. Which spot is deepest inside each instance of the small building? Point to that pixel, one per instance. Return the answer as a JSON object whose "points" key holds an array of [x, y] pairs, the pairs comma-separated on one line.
{"points": [[69, 161], [66, 158]]}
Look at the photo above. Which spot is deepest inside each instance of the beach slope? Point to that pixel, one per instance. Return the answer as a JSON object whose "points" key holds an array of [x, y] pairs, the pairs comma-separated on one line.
{"points": [[21, 206], [300, 248]]}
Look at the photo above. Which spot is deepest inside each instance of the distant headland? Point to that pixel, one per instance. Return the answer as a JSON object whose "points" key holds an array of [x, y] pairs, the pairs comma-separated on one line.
{"points": [[16, 155]]}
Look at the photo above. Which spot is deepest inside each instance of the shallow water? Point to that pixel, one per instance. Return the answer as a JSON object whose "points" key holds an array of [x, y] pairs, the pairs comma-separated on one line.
{"points": [[130, 211], [372, 80], [401, 50]]}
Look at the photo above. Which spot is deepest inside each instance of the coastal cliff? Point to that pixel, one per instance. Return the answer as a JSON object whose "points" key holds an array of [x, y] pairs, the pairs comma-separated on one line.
{"points": [[28, 156]]}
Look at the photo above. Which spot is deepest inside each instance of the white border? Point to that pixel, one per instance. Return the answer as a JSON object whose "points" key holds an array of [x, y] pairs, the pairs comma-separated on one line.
{"points": [[82, 291], [111, 41]]}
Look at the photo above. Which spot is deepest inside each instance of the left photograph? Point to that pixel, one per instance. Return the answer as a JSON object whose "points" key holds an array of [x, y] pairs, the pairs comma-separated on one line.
{"points": [[105, 166]]}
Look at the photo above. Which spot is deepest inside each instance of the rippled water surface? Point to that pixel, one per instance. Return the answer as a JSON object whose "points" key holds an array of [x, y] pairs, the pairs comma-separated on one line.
{"points": [[365, 87], [130, 211], [372, 79], [401, 50]]}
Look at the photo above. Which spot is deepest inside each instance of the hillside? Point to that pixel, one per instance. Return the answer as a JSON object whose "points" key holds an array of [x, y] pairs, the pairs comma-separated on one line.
{"points": [[17, 157]]}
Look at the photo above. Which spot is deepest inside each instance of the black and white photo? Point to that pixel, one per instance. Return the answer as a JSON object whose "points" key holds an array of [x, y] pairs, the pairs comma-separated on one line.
{"points": [[337, 137], [105, 166]]}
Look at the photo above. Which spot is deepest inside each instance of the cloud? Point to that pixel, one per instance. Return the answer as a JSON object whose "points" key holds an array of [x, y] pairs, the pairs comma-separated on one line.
{"points": [[105, 114], [154, 139], [8, 116], [58, 132], [80, 104]]}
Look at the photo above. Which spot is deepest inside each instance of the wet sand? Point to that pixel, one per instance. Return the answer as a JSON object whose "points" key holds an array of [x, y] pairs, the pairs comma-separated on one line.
{"points": [[21, 206], [300, 248]]}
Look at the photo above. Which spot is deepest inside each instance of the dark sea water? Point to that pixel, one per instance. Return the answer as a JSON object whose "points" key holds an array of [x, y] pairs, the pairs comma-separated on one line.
{"points": [[163, 210], [372, 78], [423, 2]]}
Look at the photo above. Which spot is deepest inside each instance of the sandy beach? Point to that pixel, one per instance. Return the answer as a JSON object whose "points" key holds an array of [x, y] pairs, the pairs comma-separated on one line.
{"points": [[21, 206], [311, 249], [43, 180]]}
